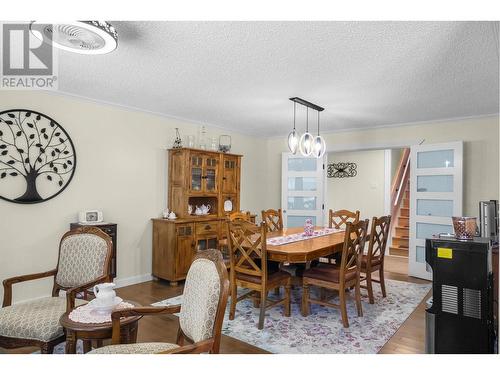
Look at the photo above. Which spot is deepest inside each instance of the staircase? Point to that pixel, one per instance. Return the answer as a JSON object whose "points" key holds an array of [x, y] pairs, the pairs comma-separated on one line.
{"points": [[400, 208], [401, 233]]}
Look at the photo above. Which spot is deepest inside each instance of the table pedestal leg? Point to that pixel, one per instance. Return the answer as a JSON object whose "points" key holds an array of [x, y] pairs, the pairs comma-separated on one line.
{"points": [[70, 342], [87, 346]]}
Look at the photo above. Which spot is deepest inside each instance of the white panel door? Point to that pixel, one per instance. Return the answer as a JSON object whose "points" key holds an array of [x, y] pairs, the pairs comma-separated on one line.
{"points": [[302, 190], [435, 196]]}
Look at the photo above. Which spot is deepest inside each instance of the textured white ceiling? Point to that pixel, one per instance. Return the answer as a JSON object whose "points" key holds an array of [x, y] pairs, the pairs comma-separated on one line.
{"points": [[239, 75]]}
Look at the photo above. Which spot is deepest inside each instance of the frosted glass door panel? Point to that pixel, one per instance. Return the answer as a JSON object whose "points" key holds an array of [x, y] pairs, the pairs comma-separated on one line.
{"points": [[435, 184], [420, 254], [301, 165], [434, 207], [302, 183], [435, 159], [302, 203], [425, 230], [299, 221]]}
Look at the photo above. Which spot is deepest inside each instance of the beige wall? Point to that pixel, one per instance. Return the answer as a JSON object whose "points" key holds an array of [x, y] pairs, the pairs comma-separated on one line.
{"points": [[121, 170], [395, 159], [481, 157], [365, 191]]}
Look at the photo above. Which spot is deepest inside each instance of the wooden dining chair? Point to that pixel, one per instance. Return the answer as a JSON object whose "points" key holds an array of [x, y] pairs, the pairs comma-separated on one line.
{"points": [[374, 259], [223, 244], [249, 269], [273, 219], [338, 220], [339, 276]]}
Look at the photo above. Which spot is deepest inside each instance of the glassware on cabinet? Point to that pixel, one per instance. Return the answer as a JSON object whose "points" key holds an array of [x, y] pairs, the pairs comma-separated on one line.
{"points": [[177, 140], [203, 138], [213, 144], [225, 143], [190, 141]]}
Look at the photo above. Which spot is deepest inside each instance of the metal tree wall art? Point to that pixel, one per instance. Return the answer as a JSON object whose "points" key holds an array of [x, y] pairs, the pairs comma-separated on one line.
{"points": [[37, 157], [342, 170]]}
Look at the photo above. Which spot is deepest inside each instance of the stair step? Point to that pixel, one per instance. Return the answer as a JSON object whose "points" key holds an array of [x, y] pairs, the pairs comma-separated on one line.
{"points": [[404, 211], [399, 251], [404, 221], [403, 232], [400, 241], [405, 203]]}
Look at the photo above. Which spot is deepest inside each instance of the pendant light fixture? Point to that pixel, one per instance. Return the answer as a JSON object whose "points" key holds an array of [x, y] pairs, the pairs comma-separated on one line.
{"points": [[293, 137], [307, 144], [319, 145], [306, 140]]}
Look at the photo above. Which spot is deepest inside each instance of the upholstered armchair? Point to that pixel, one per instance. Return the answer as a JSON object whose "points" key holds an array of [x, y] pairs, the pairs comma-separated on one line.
{"points": [[84, 257], [200, 315]]}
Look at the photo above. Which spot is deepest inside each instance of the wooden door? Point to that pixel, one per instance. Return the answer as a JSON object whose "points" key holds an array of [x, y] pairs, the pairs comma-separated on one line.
{"points": [[196, 173], [230, 174], [185, 249], [210, 173]]}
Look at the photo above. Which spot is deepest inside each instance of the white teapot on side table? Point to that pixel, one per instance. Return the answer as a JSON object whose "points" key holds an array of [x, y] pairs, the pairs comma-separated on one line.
{"points": [[105, 296]]}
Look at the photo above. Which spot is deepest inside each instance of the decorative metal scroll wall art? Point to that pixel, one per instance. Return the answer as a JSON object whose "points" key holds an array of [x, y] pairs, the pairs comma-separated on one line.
{"points": [[342, 170], [37, 157]]}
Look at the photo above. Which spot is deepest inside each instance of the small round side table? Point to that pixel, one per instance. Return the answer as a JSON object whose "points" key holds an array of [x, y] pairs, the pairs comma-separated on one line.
{"points": [[97, 331]]}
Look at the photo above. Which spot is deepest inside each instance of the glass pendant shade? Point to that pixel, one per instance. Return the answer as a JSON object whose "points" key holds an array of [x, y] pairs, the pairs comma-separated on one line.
{"points": [[319, 147], [293, 141], [306, 144]]}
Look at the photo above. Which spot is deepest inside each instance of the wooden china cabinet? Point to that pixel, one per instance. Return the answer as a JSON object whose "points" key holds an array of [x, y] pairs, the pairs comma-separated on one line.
{"points": [[195, 177]]}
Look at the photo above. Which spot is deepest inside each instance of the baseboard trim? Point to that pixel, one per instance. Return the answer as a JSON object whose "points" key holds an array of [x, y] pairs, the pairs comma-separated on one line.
{"points": [[120, 283]]}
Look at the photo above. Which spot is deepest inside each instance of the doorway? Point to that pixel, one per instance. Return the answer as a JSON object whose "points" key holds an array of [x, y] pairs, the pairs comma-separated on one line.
{"points": [[363, 180]]}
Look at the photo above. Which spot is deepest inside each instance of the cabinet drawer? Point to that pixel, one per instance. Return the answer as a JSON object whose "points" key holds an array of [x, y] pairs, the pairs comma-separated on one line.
{"points": [[207, 227]]}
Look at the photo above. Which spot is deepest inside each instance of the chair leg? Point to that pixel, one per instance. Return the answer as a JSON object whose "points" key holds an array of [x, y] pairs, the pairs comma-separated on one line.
{"points": [[343, 307], [322, 294], [234, 297], [382, 280], [46, 348], [358, 298], [305, 300], [262, 315], [287, 298], [369, 287], [256, 301]]}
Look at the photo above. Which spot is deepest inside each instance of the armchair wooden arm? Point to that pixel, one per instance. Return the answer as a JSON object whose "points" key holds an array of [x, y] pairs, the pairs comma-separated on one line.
{"points": [[71, 293], [197, 348], [135, 311], [7, 284]]}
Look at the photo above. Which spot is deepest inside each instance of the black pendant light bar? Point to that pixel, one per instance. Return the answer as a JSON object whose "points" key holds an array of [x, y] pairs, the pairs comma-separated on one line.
{"points": [[307, 104]]}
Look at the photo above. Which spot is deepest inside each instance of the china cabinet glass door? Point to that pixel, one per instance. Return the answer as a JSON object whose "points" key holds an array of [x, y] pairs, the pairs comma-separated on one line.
{"points": [[196, 173], [210, 175]]}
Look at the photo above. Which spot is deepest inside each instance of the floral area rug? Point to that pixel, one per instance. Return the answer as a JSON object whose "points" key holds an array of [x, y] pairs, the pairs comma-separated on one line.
{"points": [[322, 331]]}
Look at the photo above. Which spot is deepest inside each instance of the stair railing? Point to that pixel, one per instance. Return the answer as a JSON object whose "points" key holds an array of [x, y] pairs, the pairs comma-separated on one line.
{"points": [[399, 184]]}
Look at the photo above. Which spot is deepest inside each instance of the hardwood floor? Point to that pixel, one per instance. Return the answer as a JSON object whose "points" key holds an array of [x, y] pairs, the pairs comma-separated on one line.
{"points": [[408, 339]]}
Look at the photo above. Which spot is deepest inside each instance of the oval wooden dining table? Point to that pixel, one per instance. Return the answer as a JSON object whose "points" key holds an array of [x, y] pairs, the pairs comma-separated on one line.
{"points": [[304, 250]]}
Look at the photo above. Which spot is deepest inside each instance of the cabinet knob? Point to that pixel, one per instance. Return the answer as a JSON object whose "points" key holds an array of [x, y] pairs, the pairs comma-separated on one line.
{"points": [[207, 227]]}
